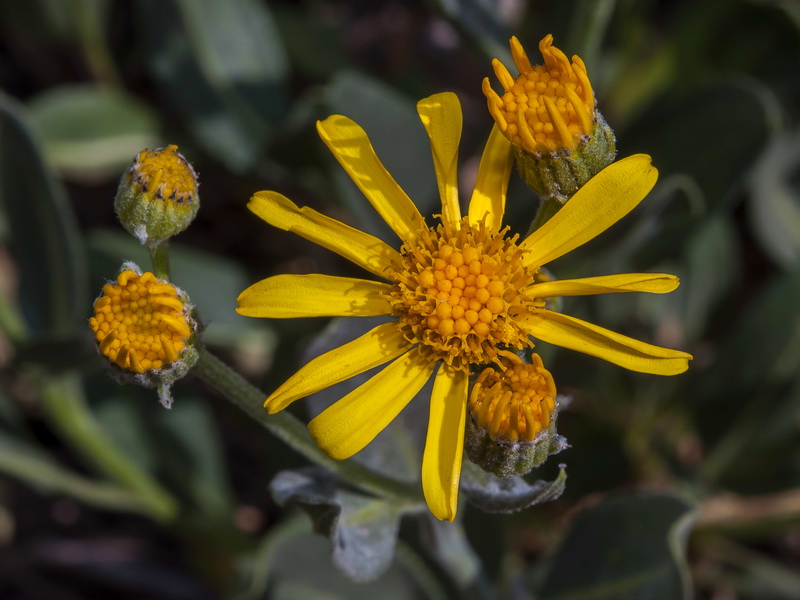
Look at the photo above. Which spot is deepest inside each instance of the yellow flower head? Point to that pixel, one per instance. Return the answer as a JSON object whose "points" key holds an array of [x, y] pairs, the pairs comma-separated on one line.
{"points": [[548, 107], [140, 323], [485, 276], [514, 401], [157, 196]]}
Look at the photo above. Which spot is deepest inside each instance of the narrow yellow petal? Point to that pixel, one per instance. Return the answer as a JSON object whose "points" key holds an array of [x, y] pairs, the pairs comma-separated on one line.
{"points": [[441, 116], [377, 346], [444, 444], [356, 246], [489, 197], [575, 334], [353, 422], [654, 283], [288, 296], [601, 202], [351, 147], [503, 76]]}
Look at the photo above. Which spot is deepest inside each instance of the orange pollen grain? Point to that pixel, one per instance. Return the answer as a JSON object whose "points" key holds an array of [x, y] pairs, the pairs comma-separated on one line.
{"points": [[140, 323], [546, 108], [515, 401]]}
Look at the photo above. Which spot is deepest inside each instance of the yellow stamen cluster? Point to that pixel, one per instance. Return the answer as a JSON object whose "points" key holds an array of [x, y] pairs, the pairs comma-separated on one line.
{"points": [[514, 402], [457, 292], [140, 323], [165, 174], [546, 108]]}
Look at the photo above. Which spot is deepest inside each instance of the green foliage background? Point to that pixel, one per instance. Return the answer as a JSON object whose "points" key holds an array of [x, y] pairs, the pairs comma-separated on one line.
{"points": [[677, 487]]}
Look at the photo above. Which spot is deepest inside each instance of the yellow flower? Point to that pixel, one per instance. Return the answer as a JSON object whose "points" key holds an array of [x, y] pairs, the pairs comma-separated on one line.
{"points": [[461, 292], [140, 322]]}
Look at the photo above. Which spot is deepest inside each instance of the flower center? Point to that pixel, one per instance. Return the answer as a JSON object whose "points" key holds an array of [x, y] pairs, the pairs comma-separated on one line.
{"points": [[165, 173], [546, 108], [140, 322], [514, 402], [458, 292]]}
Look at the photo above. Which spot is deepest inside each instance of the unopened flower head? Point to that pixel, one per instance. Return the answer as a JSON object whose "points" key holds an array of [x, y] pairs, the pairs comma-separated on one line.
{"points": [[512, 416], [157, 196], [549, 114], [144, 327], [460, 293]]}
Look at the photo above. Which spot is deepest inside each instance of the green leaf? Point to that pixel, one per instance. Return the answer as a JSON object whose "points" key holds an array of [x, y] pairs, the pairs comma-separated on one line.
{"points": [[682, 132], [483, 20], [92, 132], [774, 203], [362, 529], [301, 570], [626, 548], [30, 465], [507, 494], [43, 232], [223, 68], [712, 256]]}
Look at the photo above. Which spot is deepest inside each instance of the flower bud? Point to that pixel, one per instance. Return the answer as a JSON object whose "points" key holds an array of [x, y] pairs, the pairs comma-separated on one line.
{"points": [[549, 114], [511, 427], [146, 330], [157, 195]]}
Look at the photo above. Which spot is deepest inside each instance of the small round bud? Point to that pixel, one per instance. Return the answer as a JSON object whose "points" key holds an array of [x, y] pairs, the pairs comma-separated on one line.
{"points": [[145, 329], [157, 196], [512, 417], [550, 115]]}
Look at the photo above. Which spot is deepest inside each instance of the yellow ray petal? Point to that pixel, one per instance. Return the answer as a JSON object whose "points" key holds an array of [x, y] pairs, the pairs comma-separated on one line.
{"points": [[569, 332], [654, 283], [441, 116], [353, 422], [288, 296], [601, 202], [377, 346], [489, 197], [351, 147], [444, 445], [356, 246]]}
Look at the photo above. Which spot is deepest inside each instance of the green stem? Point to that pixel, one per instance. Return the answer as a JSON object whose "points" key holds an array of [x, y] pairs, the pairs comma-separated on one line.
{"points": [[547, 208], [160, 257], [91, 35], [67, 410], [11, 323], [290, 430], [42, 474]]}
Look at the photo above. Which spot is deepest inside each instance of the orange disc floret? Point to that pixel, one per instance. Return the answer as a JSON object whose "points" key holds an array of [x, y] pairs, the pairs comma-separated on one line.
{"points": [[515, 401], [140, 323], [546, 108], [458, 293]]}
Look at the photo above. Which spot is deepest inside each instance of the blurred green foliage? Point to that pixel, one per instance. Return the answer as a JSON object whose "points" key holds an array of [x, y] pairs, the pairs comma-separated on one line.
{"points": [[681, 487]]}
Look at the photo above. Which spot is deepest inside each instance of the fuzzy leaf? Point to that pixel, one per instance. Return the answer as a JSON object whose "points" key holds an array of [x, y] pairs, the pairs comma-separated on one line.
{"points": [[508, 494], [625, 548], [362, 529]]}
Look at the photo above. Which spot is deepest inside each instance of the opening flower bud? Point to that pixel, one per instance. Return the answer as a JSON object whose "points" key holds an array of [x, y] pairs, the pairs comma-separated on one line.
{"points": [[157, 195], [549, 114], [512, 417]]}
